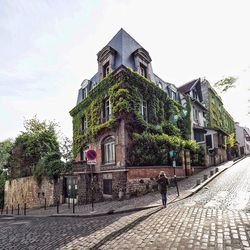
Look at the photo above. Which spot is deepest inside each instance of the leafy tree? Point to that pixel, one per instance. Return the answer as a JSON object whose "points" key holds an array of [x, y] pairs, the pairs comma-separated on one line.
{"points": [[226, 83], [5, 149], [2, 182], [66, 148], [38, 140]]}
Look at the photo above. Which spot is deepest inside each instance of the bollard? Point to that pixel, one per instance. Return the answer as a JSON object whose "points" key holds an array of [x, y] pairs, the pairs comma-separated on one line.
{"points": [[57, 207], [211, 172], [18, 209], [45, 204], [12, 209], [24, 209], [7, 210], [73, 205], [68, 203], [205, 177], [216, 170], [2, 210], [198, 182]]}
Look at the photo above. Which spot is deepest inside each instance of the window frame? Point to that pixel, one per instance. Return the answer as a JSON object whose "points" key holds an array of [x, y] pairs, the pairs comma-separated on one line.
{"points": [[107, 110], [106, 69], [108, 150], [144, 110]]}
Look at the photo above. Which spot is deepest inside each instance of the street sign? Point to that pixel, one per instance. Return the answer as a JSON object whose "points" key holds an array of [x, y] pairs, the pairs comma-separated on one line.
{"points": [[91, 162], [91, 156]]}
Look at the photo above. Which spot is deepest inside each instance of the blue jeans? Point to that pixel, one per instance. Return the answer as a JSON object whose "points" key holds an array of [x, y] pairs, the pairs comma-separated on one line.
{"points": [[164, 198]]}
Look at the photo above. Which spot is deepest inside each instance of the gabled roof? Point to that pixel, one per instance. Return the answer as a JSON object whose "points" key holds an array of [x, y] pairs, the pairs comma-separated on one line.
{"points": [[187, 87]]}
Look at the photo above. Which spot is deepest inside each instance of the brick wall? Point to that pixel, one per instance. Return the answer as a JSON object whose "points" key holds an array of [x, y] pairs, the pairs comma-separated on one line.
{"points": [[26, 190], [153, 171]]}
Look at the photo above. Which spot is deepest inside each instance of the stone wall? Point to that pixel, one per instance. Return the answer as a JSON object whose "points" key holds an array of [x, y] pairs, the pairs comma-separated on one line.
{"points": [[25, 190]]}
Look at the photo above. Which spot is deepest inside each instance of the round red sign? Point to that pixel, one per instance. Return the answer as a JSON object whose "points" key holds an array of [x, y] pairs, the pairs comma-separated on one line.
{"points": [[91, 155]]}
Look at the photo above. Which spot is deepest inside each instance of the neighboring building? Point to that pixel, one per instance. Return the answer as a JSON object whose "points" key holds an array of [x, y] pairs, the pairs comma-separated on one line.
{"points": [[220, 126], [198, 110], [131, 117], [243, 137]]}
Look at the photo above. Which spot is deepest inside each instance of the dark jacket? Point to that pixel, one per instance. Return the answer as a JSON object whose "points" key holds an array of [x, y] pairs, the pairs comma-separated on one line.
{"points": [[163, 184]]}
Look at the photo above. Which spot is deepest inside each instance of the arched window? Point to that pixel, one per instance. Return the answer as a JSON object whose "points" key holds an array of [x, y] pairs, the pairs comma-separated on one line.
{"points": [[108, 150]]}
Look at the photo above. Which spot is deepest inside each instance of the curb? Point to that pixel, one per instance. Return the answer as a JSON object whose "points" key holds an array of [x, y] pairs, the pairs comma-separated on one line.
{"points": [[198, 188], [105, 213]]}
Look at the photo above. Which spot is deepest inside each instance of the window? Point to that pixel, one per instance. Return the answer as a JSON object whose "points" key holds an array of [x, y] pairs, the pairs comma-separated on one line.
{"points": [[83, 152], [106, 69], [84, 93], [144, 110], [174, 96], [160, 85], [209, 142], [107, 186], [213, 100], [196, 115], [143, 70], [107, 110], [199, 136], [194, 93], [108, 150], [83, 124]]}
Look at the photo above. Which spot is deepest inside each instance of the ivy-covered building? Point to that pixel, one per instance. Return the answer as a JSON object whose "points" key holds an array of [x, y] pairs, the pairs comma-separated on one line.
{"points": [[198, 111], [220, 126], [132, 118]]}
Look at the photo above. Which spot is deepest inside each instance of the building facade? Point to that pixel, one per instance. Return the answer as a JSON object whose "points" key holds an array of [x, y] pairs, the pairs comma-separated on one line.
{"points": [[132, 119], [220, 126], [243, 137]]}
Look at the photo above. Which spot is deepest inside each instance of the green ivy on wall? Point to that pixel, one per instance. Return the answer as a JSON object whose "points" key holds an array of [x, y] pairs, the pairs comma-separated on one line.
{"points": [[126, 91], [219, 117]]}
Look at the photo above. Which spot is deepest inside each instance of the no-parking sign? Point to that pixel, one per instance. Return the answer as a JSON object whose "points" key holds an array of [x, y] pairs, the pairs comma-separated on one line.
{"points": [[91, 156]]}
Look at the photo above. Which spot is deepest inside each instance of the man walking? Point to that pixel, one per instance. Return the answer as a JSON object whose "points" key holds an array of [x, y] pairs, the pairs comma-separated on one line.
{"points": [[163, 183]]}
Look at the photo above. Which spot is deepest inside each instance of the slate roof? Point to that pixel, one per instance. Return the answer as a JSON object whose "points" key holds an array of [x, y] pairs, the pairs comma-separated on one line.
{"points": [[187, 87], [124, 45]]}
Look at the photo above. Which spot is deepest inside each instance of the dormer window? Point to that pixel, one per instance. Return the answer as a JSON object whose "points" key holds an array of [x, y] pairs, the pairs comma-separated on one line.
{"points": [[84, 92], [143, 70], [106, 69], [195, 95]]}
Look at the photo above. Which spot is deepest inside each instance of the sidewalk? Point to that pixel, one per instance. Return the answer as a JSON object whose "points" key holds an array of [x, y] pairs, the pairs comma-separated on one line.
{"points": [[187, 187]]}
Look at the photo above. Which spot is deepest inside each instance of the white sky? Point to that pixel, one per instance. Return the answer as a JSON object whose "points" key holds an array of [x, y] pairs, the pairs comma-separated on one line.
{"points": [[48, 47]]}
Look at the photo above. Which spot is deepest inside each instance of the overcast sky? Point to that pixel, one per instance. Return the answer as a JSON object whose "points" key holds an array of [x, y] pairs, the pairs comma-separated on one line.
{"points": [[48, 47]]}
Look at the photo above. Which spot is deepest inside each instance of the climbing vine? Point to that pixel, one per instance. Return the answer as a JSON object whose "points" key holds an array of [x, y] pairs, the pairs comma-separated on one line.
{"points": [[126, 91]]}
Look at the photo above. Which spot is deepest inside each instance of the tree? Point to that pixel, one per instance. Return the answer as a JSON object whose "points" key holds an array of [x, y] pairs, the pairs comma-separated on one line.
{"points": [[66, 148], [2, 182], [5, 149], [226, 83], [39, 139]]}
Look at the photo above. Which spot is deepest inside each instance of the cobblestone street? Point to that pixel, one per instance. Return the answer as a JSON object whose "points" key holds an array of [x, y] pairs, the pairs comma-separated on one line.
{"points": [[215, 218]]}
